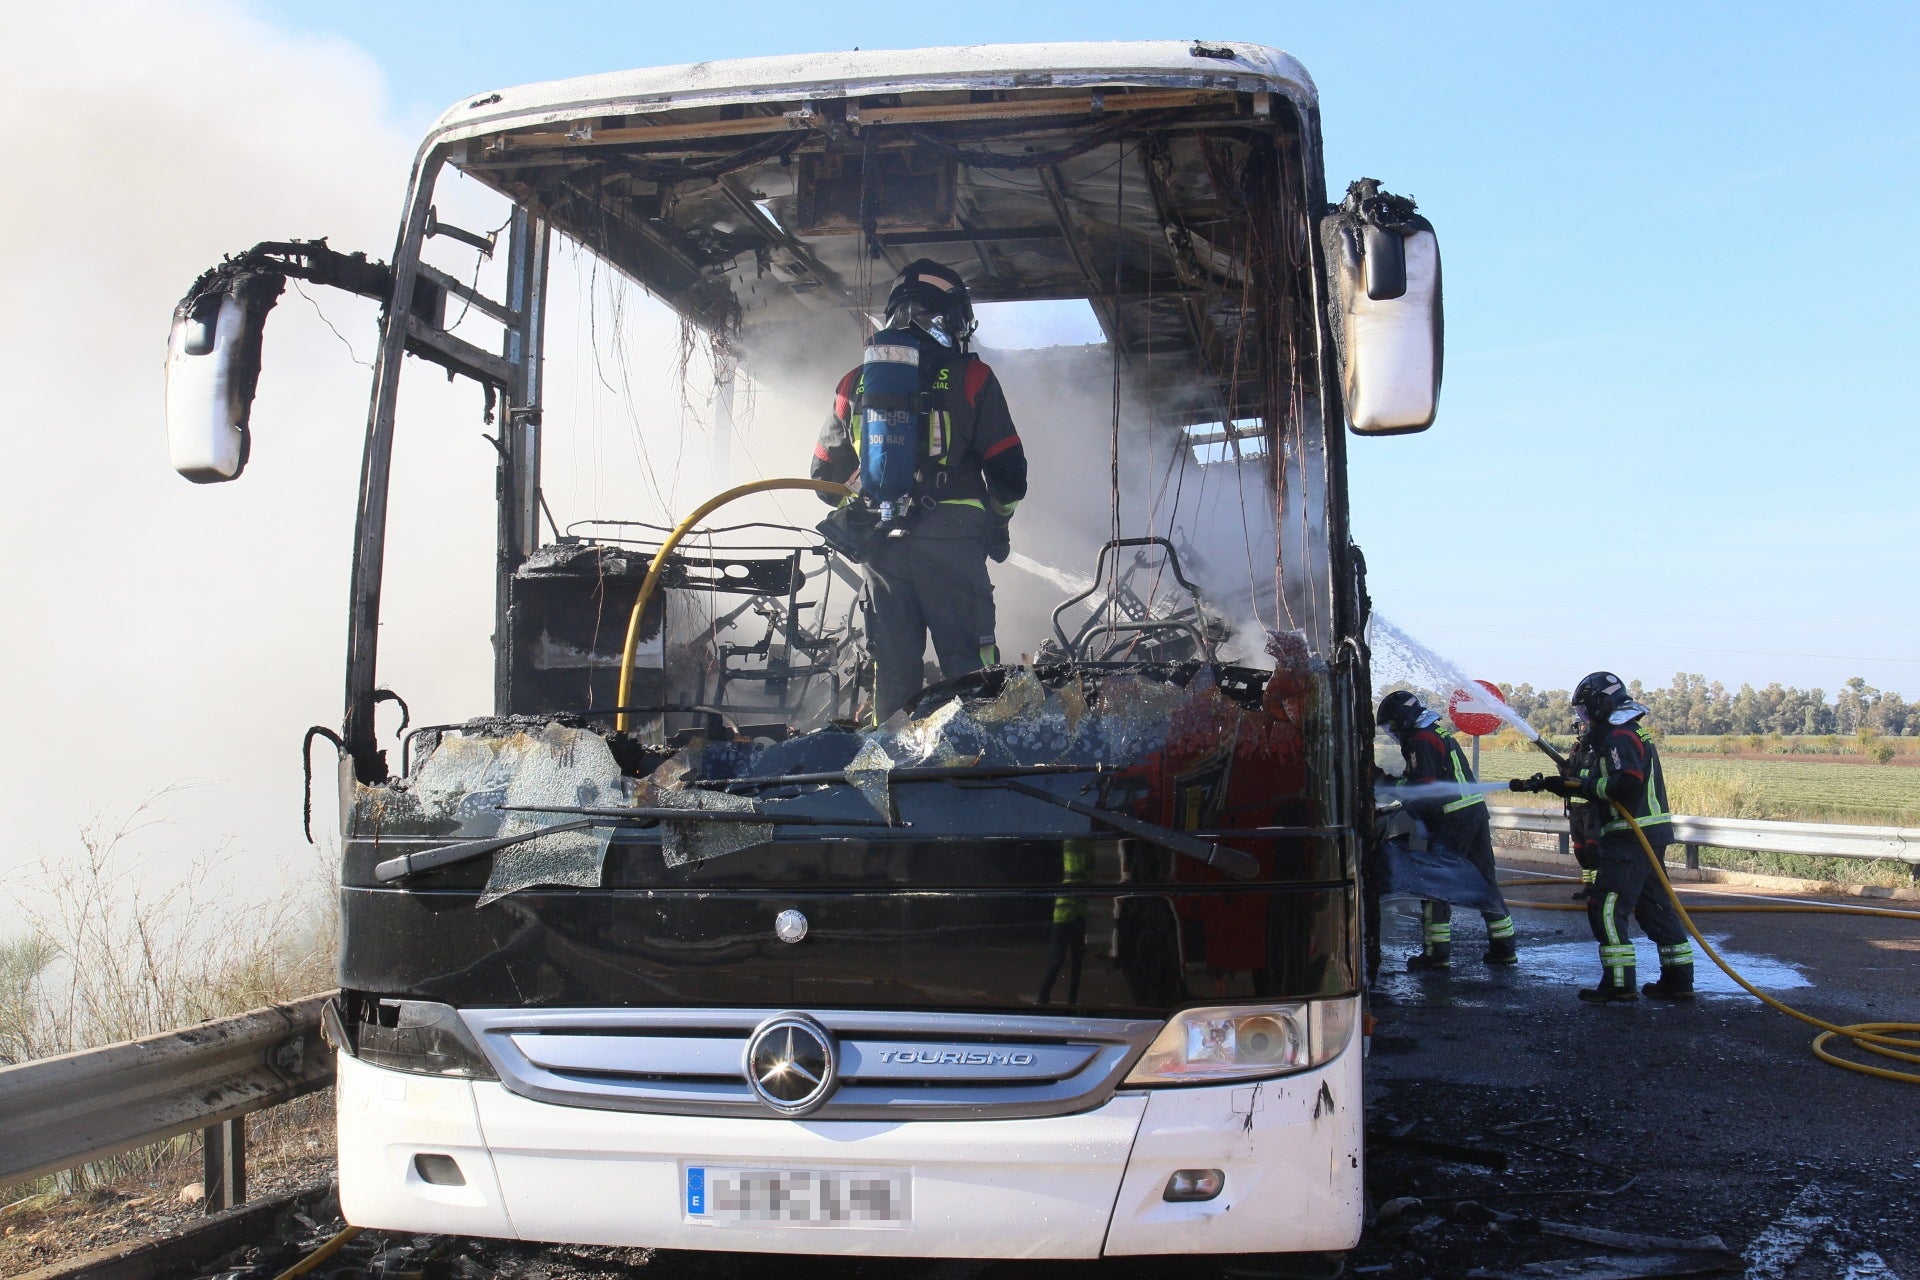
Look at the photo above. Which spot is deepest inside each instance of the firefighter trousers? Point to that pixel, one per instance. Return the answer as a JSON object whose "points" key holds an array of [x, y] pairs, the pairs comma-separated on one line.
{"points": [[1469, 833], [1625, 889], [925, 584]]}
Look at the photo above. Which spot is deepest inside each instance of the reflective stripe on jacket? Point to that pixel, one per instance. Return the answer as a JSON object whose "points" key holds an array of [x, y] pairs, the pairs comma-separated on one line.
{"points": [[1625, 768], [1433, 754]]}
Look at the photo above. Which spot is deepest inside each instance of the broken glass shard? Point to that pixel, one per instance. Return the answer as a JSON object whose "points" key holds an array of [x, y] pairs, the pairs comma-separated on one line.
{"points": [[868, 774], [684, 842]]}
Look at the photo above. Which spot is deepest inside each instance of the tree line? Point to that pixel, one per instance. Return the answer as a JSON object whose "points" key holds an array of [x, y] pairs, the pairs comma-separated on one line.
{"points": [[1694, 704]]}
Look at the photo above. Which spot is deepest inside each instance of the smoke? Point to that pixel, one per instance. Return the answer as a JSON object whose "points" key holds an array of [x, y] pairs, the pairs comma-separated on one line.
{"points": [[634, 431], [162, 633], [159, 632], [1219, 515]]}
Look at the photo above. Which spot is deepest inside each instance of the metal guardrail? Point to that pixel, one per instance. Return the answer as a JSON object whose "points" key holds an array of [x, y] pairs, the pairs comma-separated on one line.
{"points": [[1813, 839], [56, 1113]]}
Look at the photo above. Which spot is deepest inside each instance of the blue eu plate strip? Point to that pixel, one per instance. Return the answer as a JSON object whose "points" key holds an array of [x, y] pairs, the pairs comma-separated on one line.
{"points": [[696, 1191]]}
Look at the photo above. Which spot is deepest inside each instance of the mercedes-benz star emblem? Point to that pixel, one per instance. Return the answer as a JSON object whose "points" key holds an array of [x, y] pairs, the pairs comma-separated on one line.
{"points": [[792, 1064], [789, 926]]}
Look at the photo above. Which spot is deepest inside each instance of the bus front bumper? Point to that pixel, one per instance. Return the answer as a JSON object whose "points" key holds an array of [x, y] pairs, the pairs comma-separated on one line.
{"points": [[1075, 1186]]}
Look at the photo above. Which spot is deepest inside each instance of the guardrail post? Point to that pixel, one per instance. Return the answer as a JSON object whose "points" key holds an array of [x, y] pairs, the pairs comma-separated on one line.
{"points": [[225, 1147], [1566, 845], [1693, 857]]}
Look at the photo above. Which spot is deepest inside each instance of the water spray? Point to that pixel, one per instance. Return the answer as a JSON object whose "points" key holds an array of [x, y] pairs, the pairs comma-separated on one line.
{"points": [[1407, 659], [1070, 582], [1560, 761], [1442, 790]]}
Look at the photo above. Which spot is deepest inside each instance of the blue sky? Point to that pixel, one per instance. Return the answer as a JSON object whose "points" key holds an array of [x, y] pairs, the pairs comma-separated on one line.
{"points": [[1679, 247]]}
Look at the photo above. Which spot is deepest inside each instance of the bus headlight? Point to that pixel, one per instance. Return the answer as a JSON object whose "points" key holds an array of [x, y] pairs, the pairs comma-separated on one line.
{"points": [[1201, 1046], [416, 1036]]}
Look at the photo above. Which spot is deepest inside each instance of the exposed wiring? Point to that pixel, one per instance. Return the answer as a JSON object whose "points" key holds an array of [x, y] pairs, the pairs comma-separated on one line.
{"points": [[473, 286], [975, 158], [351, 353]]}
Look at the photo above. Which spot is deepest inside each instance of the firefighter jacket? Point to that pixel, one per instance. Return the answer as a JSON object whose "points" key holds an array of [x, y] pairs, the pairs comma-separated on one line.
{"points": [[1459, 822], [1433, 754], [1583, 815], [973, 453], [1623, 766]]}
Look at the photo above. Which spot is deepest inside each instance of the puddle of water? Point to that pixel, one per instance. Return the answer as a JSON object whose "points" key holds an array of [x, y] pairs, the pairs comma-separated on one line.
{"points": [[1577, 964]]}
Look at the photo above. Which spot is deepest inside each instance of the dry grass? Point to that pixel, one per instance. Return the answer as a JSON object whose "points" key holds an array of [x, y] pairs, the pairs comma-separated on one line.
{"points": [[1768, 788], [110, 956], [1865, 743], [294, 1151]]}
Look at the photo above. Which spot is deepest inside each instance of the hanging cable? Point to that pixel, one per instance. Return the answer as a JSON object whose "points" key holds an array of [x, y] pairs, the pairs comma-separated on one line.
{"points": [[1113, 441]]}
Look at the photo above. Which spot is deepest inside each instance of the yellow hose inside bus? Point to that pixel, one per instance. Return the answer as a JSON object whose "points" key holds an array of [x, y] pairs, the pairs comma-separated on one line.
{"points": [[1888, 1039], [680, 531]]}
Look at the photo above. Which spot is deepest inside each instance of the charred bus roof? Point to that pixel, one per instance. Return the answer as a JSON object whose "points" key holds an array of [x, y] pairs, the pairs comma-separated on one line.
{"points": [[755, 195], [1244, 68]]}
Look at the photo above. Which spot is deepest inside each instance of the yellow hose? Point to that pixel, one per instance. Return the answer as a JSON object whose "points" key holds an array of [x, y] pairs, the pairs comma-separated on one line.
{"points": [[319, 1255], [680, 531], [1868, 1036], [1808, 908]]}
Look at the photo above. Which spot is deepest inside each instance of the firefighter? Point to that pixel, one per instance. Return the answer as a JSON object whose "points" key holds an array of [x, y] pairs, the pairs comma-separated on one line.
{"points": [[1458, 822], [1584, 821], [1067, 939], [1617, 762], [922, 432]]}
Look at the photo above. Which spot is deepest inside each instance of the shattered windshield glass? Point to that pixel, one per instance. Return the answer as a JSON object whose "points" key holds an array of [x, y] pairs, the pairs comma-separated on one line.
{"points": [[467, 783], [1155, 721]]}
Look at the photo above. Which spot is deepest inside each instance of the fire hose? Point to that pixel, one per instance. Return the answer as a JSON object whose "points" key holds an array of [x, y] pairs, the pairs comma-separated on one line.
{"points": [[661, 556], [1887, 1039]]}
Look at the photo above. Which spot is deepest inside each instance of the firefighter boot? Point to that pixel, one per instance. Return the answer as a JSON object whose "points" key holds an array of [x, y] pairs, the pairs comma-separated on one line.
{"points": [[1587, 877], [1616, 977], [1676, 974], [1436, 950], [1500, 949]]}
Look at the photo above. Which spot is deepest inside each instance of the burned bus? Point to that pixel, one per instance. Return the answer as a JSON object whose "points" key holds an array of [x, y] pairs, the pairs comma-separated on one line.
{"points": [[675, 943]]}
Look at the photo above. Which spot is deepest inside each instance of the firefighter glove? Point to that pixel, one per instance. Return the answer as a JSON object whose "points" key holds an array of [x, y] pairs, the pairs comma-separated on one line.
{"points": [[999, 542]]}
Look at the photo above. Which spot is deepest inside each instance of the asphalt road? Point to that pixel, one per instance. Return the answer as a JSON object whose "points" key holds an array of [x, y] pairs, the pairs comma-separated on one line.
{"points": [[1714, 1117]]}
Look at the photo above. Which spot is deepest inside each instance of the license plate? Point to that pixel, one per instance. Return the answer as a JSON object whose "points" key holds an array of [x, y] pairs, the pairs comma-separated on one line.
{"points": [[799, 1197]]}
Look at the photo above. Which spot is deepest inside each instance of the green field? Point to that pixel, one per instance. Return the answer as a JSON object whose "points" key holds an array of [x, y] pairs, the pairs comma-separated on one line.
{"points": [[1787, 790], [1780, 790]]}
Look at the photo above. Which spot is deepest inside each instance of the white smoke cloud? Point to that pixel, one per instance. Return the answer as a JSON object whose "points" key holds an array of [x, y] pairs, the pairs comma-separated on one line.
{"points": [[159, 632]]}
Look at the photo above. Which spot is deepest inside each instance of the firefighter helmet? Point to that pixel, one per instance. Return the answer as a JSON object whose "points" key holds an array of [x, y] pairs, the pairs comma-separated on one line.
{"points": [[1402, 712], [931, 296], [1600, 695]]}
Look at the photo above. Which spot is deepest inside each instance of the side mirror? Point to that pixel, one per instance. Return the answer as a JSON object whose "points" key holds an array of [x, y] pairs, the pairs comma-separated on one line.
{"points": [[1383, 268], [213, 366]]}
